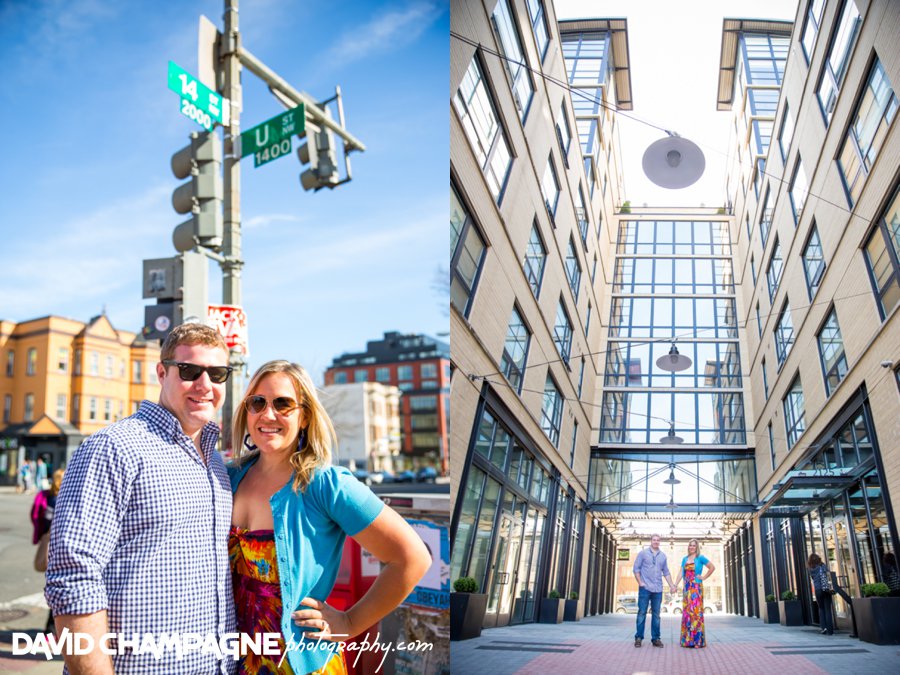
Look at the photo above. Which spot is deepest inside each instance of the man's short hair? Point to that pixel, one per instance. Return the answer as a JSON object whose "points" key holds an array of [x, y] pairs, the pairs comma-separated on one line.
{"points": [[191, 334], [654, 535]]}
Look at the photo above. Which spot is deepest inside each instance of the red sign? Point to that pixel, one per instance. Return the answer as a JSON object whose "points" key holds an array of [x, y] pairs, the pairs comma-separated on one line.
{"points": [[231, 322]]}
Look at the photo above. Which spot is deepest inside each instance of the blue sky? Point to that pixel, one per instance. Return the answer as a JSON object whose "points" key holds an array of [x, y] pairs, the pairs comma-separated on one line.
{"points": [[91, 126]]}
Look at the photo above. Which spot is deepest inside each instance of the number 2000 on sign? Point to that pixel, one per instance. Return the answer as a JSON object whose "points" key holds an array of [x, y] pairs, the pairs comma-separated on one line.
{"points": [[200, 117]]}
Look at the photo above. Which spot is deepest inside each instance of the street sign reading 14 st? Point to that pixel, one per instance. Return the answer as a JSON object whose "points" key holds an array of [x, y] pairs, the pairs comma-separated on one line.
{"points": [[272, 139], [198, 101]]}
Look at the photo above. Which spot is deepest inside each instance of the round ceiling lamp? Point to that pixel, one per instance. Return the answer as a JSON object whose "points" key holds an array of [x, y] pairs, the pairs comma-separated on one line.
{"points": [[671, 480], [671, 439], [673, 162], [671, 505], [674, 361]]}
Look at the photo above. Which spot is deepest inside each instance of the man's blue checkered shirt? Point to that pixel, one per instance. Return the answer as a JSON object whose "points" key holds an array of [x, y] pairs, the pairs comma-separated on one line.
{"points": [[141, 530]]}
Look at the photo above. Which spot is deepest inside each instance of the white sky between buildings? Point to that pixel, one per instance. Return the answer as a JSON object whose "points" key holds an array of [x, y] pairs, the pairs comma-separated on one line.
{"points": [[674, 49]]}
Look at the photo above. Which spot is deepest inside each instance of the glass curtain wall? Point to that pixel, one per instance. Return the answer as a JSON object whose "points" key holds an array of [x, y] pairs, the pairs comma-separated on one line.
{"points": [[673, 283], [850, 529], [740, 565], [588, 66], [499, 532], [520, 531]]}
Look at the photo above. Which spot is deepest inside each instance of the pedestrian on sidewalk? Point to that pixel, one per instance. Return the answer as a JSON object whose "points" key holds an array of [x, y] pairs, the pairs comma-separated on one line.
{"points": [[650, 567], [818, 574], [41, 519], [693, 565], [891, 573], [40, 475]]}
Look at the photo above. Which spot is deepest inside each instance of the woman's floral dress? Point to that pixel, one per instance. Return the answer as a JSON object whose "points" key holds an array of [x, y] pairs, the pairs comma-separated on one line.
{"points": [[693, 632]]}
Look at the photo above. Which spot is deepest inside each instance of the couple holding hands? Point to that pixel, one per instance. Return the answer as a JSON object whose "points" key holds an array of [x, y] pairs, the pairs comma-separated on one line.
{"points": [[153, 534], [650, 566]]}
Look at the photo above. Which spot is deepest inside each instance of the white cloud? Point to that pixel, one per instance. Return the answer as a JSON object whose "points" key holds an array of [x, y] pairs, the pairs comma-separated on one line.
{"points": [[385, 32], [89, 261], [266, 219]]}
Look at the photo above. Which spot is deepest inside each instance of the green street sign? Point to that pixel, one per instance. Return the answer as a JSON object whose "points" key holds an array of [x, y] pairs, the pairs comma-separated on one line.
{"points": [[266, 141], [198, 101]]}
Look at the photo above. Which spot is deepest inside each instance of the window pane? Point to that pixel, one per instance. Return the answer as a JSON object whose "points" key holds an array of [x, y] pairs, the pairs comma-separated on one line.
{"points": [[831, 349], [516, 67], [479, 119], [813, 262], [515, 348], [535, 255]]}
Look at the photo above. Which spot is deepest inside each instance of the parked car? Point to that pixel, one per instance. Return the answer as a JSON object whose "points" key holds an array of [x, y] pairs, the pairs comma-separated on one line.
{"points": [[427, 474], [674, 607], [382, 477], [626, 604], [405, 477]]}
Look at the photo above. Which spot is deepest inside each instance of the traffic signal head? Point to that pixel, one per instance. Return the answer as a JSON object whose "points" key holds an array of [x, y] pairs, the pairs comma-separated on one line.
{"points": [[202, 196], [319, 153]]}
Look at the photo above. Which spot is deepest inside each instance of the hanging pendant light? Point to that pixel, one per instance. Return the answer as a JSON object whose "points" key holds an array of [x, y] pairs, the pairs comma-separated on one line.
{"points": [[674, 361], [671, 505], [673, 162], [671, 439], [671, 480]]}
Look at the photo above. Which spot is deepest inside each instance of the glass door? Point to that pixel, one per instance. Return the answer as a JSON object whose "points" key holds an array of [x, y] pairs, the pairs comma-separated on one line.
{"points": [[503, 569], [839, 560], [523, 591]]}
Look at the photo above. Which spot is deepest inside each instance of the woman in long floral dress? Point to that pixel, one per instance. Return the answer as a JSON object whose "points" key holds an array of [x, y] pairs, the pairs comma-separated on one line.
{"points": [[694, 569]]}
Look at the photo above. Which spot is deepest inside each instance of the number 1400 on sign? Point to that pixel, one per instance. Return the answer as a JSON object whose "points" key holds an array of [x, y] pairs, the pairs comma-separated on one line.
{"points": [[274, 151]]}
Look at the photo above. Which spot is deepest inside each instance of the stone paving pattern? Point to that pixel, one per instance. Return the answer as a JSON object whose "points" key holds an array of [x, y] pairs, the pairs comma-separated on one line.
{"points": [[605, 644]]}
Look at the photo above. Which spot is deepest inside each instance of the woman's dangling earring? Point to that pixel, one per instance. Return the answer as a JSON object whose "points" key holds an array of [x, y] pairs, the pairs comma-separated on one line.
{"points": [[248, 443], [301, 441]]}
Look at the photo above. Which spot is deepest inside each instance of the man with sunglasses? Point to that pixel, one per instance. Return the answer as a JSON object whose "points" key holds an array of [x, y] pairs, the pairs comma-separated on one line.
{"points": [[140, 535]]}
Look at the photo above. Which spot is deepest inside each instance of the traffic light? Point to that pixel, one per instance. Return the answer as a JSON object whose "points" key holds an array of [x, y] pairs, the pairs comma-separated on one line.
{"points": [[321, 157], [202, 196]]}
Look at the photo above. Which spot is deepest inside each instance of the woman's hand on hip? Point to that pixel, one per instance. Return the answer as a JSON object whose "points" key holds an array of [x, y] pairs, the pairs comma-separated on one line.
{"points": [[330, 623]]}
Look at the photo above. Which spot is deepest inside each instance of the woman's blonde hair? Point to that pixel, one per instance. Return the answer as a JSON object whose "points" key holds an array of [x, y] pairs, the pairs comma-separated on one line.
{"points": [[695, 543], [57, 481], [316, 449]]}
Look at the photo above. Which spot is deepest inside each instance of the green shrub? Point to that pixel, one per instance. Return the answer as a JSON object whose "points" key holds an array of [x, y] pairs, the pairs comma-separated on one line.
{"points": [[770, 597], [465, 585], [553, 595], [573, 595], [879, 590], [787, 596], [626, 207]]}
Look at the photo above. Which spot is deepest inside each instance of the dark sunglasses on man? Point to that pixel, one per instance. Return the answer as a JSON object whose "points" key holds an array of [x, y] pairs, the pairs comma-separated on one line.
{"points": [[191, 371]]}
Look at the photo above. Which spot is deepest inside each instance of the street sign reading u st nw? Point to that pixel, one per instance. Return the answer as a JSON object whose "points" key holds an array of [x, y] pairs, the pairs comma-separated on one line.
{"points": [[272, 139], [198, 101]]}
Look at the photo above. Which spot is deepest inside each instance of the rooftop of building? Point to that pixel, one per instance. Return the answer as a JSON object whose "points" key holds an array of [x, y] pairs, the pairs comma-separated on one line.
{"points": [[395, 346], [731, 32], [618, 30]]}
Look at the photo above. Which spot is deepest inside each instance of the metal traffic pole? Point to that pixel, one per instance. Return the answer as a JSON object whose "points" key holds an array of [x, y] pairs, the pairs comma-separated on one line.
{"points": [[231, 246]]}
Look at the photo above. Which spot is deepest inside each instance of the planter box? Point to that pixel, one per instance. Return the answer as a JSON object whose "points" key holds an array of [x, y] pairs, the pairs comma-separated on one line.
{"points": [[552, 610], [877, 620], [467, 615], [790, 613], [574, 610], [770, 612]]}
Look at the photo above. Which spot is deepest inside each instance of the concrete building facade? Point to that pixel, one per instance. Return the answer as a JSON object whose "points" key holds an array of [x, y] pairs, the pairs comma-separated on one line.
{"points": [[366, 417]]}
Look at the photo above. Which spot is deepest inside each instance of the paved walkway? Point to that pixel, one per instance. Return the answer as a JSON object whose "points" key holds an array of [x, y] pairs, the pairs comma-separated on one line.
{"points": [[605, 644]]}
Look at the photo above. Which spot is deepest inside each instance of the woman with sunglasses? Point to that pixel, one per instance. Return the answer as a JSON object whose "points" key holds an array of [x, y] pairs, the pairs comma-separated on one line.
{"points": [[292, 512]]}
